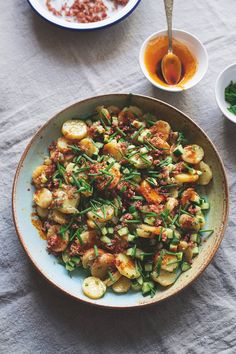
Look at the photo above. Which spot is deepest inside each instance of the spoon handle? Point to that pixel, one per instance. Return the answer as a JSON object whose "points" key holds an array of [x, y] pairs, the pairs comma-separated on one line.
{"points": [[169, 10]]}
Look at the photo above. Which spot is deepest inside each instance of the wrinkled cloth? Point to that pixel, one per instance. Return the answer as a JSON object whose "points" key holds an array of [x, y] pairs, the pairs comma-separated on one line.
{"points": [[43, 69]]}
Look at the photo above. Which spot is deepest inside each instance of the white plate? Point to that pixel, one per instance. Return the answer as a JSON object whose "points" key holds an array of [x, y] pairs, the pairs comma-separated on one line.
{"points": [[114, 16], [223, 80]]}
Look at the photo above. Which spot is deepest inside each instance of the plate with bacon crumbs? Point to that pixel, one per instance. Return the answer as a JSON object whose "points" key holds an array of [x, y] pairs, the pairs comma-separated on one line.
{"points": [[84, 15]]}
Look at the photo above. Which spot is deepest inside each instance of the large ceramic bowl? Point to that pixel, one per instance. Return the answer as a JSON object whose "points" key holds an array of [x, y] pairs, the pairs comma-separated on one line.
{"points": [[35, 247], [115, 15]]}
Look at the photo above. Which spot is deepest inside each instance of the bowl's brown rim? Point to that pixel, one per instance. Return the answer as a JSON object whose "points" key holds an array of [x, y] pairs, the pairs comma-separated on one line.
{"points": [[152, 301]]}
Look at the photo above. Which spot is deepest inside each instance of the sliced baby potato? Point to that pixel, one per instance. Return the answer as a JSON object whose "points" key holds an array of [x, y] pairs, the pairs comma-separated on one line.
{"points": [[169, 262], [150, 194], [186, 178], [135, 110], [164, 278], [56, 241], [189, 223], [58, 217], [171, 203], [67, 200], [89, 257], [126, 266], [190, 195], [40, 175], [193, 154], [110, 281], [200, 219], [88, 236], [101, 265], [173, 192], [43, 197], [161, 144], [111, 181], [91, 224], [104, 114], [148, 231], [102, 214], [93, 287], [88, 146], [74, 129], [141, 233], [113, 149], [122, 285], [70, 167], [182, 246], [206, 175], [42, 213], [113, 110], [141, 162], [188, 254], [161, 127], [63, 145]]}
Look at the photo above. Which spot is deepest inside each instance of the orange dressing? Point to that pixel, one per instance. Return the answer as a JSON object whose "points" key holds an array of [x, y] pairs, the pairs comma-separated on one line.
{"points": [[38, 225], [155, 51]]}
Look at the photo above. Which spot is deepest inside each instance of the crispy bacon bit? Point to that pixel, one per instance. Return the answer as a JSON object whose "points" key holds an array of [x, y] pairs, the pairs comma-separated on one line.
{"points": [[118, 245], [84, 11], [179, 167]]}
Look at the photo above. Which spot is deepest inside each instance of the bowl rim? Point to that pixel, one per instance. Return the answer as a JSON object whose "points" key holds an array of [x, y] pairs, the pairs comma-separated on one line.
{"points": [[89, 301], [169, 88], [226, 113], [82, 29]]}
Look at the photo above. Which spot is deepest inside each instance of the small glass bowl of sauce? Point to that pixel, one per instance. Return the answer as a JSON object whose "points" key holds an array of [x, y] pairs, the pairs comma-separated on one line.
{"points": [[188, 48]]}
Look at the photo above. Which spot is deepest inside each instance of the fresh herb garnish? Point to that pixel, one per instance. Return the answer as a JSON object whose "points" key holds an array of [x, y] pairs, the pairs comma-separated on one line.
{"points": [[96, 251], [230, 96]]}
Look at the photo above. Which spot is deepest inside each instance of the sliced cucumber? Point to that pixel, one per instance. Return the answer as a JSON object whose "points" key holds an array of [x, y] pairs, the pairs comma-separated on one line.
{"points": [[123, 231], [185, 266], [147, 287], [195, 251], [106, 240], [205, 206], [178, 151], [104, 231], [110, 230], [150, 220], [195, 238], [148, 267], [131, 238]]}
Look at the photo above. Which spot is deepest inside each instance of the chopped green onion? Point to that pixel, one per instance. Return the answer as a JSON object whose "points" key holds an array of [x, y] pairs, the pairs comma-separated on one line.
{"points": [[88, 158], [136, 133], [121, 132], [110, 276], [133, 221], [96, 251]]}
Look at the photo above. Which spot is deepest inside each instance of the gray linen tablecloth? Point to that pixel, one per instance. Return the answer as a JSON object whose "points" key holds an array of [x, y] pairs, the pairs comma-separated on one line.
{"points": [[43, 69]]}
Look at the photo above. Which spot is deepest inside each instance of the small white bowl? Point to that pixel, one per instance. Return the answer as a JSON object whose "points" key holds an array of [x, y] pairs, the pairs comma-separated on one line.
{"points": [[223, 80], [196, 48]]}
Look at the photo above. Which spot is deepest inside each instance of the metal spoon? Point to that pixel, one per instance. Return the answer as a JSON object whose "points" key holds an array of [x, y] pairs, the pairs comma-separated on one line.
{"points": [[171, 66]]}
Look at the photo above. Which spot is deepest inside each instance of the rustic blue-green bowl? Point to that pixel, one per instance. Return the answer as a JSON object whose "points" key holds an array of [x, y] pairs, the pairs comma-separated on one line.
{"points": [[35, 247]]}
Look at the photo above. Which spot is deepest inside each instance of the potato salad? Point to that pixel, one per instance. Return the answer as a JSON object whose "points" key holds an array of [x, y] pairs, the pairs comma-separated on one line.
{"points": [[118, 196]]}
